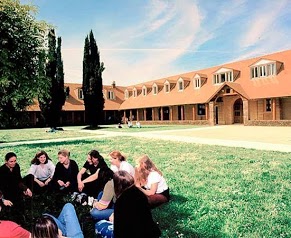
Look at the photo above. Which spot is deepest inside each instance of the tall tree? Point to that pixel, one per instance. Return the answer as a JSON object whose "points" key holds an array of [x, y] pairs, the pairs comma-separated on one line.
{"points": [[21, 40], [92, 82], [51, 104]]}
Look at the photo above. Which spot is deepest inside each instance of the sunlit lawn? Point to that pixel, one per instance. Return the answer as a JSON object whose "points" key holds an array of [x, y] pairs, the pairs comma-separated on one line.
{"points": [[216, 191]]}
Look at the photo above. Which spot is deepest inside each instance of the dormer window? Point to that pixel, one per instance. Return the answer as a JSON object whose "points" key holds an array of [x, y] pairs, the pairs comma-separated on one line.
{"points": [[80, 93], [134, 93], [155, 89], [110, 95], [167, 87], [180, 84], [144, 90], [263, 70], [223, 75], [126, 94]]}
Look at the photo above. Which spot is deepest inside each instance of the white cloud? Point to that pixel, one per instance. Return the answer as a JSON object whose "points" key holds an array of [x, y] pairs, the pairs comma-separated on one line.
{"points": [[262, 21]]}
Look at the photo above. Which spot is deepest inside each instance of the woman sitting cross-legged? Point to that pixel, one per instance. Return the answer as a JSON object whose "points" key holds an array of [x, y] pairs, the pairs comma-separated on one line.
{"points": [[118, 162], [132, 215], [66, 225], [104, 205], [65, 176], [149, 179], [87, 181], [40, 173]]}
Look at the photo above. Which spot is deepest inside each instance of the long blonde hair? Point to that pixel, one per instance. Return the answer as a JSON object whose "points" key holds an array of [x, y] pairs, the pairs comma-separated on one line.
{"points": [[145, 166]]}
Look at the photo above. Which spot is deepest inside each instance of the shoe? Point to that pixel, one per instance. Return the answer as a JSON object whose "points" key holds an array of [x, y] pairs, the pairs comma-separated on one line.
{"points": [[78, 199], [90, 201], [84, 199], [73, 196]]}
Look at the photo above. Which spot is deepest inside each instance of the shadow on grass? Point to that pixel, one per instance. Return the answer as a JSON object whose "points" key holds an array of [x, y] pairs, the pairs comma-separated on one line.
{"points": [[174, 219]]}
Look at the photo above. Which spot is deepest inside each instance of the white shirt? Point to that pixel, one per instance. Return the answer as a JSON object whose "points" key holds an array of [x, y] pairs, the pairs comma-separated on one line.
{"points": [[155, 177], [124, 165], [42, 172]]}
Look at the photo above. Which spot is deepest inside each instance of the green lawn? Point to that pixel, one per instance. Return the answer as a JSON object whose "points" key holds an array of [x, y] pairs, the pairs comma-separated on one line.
{"points": [[216, 191]]}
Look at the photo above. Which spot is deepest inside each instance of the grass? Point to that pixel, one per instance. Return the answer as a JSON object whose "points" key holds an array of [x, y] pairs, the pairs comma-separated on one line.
{"points": [[216, 191]]}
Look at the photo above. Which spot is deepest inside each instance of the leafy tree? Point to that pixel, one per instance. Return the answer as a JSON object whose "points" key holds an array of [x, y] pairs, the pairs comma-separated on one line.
{"points": [[21, 40], [51, 104], [92, 82]]}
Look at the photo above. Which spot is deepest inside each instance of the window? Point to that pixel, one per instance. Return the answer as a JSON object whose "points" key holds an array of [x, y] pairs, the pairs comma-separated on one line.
{"points": [[80, 93], [223, 77], [144, 91], [197, 83], [167, 87], [126, 94], [263, 70], [110, 95], [155, 89], [134, 92], [268, 105], [181, 85], [201, 109]]}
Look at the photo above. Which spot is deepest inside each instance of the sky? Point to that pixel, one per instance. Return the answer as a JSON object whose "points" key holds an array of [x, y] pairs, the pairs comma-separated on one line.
{"points": [[144, 40]]}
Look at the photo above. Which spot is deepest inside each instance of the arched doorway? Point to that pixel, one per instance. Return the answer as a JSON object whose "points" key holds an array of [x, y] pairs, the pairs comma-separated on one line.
{"points": [[238, 111]]}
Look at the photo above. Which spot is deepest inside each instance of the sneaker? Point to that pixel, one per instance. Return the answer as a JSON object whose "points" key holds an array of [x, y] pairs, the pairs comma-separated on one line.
{"points": [[73, 196], [90, 201], [84, 199], [78, 198]]}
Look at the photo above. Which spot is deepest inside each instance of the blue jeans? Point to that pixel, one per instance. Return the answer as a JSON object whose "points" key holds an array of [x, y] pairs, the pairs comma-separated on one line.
{"points": [[68, 222], [101, 214], [104, 228]]}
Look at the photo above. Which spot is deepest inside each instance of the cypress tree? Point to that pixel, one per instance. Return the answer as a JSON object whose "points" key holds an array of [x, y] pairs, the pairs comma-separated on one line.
{"points": [[92, 82], [51, 103]]}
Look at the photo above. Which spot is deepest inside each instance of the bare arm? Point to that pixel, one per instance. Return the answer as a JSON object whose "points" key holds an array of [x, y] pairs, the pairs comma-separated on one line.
{"points": [[92, 177], [151, 191]]}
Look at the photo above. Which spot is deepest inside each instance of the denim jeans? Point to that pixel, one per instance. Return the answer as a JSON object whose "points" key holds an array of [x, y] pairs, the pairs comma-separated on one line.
{"points": [[68, 222], [104, 228], [102, 214]]}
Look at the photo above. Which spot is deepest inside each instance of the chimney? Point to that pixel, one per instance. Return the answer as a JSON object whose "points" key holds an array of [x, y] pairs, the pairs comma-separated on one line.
{"points": [[113, 84]]}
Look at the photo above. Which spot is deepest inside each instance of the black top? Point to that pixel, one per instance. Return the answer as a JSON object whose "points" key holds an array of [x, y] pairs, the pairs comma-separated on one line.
{"points": [[11, 183], [132, 216], [67, 174]]}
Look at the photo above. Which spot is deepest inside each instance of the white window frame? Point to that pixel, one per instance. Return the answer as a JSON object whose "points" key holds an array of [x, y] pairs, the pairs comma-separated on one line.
{"points": [[181, 85], [111, 95], [167, 87], [126, 94], [219, 78], [264, 70], [134, 92], [155, 89], [144, 91], [80, 93]]}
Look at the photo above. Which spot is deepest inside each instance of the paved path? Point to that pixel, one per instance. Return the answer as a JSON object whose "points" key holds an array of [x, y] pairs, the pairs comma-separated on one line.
{"points": [[261, 138]]}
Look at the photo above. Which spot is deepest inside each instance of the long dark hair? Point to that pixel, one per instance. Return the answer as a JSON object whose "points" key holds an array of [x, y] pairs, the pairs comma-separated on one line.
{"points": [[122, 181], [96, 154], [45, 227], [35, 160], [105, 174]]}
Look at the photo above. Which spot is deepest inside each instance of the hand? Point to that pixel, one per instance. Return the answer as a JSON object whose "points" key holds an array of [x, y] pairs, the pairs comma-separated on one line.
{"points": [[67, 184], [80, 186], [7, 203], [111, 218], [28, 192], [41, 184], [47, 181], [61, 183]]}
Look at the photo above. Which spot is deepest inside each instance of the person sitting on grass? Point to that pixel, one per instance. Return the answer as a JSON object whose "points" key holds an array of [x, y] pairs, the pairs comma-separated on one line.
{"points": [[12, 229], [88, 183], [132, 216], [40, 173], [11, 182], [104, 205], [118, 162], [149, 179], [66, 225], [65, 176]]}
